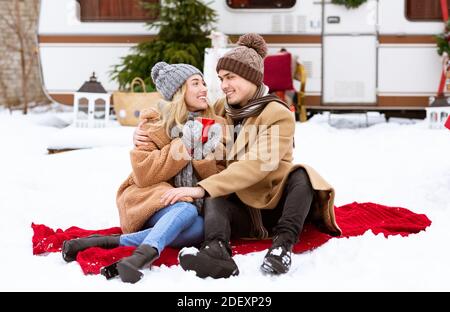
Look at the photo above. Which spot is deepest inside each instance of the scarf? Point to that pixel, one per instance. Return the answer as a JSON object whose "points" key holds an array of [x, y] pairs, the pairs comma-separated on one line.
{"points": [[186, 177], [253, 108]]}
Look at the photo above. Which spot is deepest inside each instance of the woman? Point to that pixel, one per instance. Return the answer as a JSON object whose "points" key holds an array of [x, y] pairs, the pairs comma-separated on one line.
{"points": [[159, 202]]}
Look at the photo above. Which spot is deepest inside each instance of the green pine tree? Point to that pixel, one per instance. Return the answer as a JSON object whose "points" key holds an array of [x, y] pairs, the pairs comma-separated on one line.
{"points": [[349, 4], [443, 39], [182, 38]]}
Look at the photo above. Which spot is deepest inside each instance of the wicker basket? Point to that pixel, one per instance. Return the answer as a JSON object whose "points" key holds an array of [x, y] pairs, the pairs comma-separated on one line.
{"points": [[128, 105]]}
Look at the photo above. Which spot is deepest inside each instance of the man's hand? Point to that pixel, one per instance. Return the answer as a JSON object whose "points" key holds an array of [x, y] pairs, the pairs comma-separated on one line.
{"points": [[172, 196], [140, 136]]}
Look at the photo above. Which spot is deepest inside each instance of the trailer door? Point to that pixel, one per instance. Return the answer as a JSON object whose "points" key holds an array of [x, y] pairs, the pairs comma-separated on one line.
{"points": [[349, 59]]}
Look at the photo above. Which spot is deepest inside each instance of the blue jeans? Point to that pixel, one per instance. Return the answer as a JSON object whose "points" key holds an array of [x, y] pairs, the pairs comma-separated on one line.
{"points": [[177, 225]]}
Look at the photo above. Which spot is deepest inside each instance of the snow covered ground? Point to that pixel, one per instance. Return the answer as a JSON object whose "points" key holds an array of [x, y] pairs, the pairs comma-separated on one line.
{"points": [[400, 163]]}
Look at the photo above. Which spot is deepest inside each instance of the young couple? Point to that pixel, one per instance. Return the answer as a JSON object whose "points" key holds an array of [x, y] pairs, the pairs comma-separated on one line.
{"points": [[242, 194]]}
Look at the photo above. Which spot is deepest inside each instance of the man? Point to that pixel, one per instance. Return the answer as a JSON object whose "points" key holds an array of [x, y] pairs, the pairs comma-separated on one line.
{"points": [[261, 193]]}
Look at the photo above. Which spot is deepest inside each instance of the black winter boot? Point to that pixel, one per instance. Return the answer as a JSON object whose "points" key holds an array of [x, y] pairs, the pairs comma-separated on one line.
{"points": [[71, 248], [213, 259], [278, 258], [128, 268]]}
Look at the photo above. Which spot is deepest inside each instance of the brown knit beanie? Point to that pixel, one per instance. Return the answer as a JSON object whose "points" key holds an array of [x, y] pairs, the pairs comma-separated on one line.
{"points": [[246, 60]]}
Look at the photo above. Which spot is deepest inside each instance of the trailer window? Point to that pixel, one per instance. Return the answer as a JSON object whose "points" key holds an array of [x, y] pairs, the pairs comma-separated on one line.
{"points": [[261, 4], [424, 10], [115, 11]]}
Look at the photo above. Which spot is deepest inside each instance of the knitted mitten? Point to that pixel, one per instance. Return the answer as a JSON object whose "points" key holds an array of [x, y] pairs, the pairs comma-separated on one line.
{"points": [[192, 138], [214, 138]]}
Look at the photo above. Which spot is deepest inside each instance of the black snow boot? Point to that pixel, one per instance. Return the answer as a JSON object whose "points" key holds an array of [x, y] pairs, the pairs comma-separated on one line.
{"points": [[278, 258], [128, 268], [213, 260], [71, 248]]}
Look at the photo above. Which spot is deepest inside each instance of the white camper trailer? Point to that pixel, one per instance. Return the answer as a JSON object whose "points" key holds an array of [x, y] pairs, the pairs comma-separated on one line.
{"points": [[380, 56]]}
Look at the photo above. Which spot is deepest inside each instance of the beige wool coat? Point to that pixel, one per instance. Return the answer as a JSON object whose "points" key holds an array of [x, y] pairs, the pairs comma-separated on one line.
{"points": [[153, 170], [257, 173]]}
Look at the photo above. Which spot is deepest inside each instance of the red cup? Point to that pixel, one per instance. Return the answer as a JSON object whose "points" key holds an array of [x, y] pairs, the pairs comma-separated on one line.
{"points": [[206, 122], [447, 123]]}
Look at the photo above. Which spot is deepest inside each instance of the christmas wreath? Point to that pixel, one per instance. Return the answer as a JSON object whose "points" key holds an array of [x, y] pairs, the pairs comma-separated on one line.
{"points": [[349, 4]]}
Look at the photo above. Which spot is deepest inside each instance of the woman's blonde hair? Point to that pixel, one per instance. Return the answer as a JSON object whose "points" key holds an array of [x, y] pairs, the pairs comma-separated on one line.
{"points": [[175, 112]]}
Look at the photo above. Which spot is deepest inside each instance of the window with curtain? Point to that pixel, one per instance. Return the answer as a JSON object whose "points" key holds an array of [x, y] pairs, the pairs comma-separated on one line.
{"points": [[424, 10], [115, 11], [261, 4]]}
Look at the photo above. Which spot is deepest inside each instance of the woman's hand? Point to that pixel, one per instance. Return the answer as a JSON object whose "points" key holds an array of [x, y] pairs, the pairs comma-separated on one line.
{"points": [[172, 196], [214, 138], [140, 136], [192, 138]]}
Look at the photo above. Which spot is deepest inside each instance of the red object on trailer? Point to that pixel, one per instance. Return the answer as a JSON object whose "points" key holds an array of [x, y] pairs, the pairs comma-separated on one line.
{"points": [[278, 72]]}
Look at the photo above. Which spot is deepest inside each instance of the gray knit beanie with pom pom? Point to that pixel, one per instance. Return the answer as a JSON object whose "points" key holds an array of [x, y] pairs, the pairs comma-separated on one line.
{"points": [[168, 78], [247, 59]]}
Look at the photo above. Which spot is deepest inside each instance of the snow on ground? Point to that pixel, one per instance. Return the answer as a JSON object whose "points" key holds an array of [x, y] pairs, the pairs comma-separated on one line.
{"points": [[400, 163]]}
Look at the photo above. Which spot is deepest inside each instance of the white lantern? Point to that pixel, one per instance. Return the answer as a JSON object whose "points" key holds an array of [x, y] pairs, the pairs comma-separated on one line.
{"points": [[91, 105], [438, 112]]}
